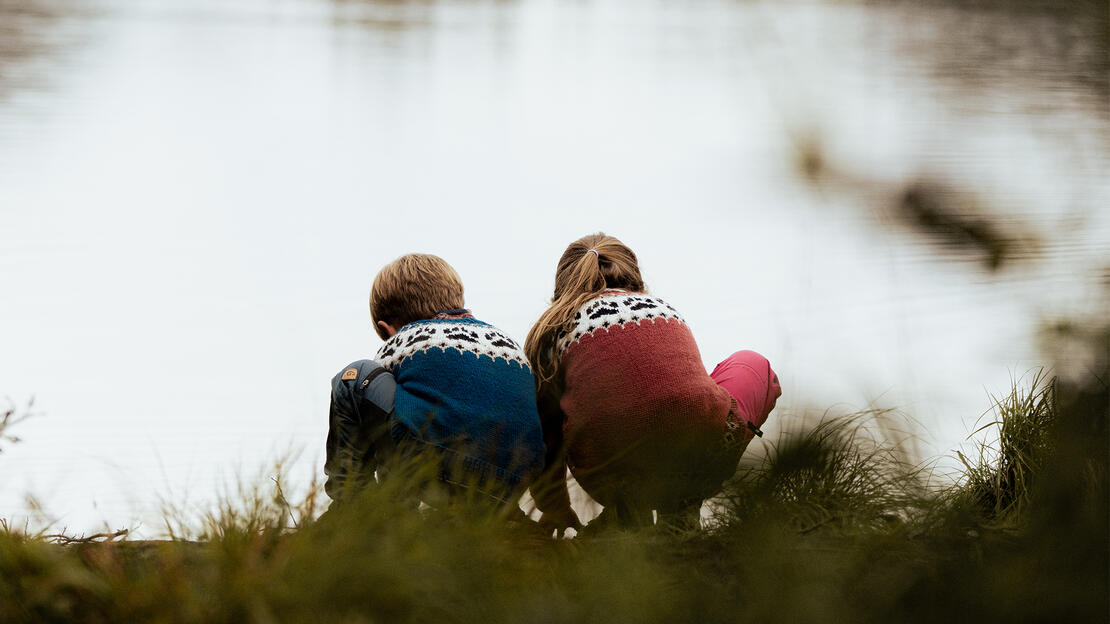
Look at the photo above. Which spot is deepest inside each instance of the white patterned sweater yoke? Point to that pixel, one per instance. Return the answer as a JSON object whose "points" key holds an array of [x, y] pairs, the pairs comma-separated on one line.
{"points": [[464, 335], [616, 308]]}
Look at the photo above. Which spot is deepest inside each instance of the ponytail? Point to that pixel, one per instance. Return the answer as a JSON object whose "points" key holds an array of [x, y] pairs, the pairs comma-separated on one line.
{"points": [[588, 267]]}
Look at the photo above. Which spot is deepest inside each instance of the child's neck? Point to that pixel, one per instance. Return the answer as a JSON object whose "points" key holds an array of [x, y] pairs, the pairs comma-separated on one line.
{"points": [[459, 313]]}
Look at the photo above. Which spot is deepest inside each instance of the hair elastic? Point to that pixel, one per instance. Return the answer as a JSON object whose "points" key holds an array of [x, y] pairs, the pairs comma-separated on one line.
{"points": [[594, 252]]}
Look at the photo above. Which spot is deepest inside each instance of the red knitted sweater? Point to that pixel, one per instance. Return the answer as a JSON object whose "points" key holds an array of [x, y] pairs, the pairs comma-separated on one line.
{"points": [[641, 418]]}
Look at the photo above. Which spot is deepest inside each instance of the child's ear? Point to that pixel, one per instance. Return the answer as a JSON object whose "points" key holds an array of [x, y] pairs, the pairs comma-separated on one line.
{"points": [[388, 329]]}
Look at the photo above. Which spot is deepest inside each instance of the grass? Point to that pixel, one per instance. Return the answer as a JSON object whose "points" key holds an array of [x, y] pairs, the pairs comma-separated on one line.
{"points": [[831, 526], [1000, 479]]}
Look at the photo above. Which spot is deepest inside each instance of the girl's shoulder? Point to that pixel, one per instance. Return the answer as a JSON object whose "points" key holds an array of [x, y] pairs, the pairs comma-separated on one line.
{"points": [[617, 308], [625, 306]]}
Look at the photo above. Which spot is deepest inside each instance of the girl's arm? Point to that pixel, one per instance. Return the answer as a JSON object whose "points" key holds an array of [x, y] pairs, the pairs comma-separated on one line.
{"points": [[550, 489]]}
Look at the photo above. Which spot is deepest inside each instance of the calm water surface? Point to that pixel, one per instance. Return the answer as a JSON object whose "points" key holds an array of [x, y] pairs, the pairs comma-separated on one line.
{"points": [[194, 197]]}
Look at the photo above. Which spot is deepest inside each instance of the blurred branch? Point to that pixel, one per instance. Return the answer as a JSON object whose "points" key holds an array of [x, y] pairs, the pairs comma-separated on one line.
{"points": [[9, 419], [935, 210], [66, 540]]}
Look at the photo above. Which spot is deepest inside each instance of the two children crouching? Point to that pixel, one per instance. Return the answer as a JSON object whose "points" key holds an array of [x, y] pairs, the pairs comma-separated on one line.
{"points": [[609, 385]]}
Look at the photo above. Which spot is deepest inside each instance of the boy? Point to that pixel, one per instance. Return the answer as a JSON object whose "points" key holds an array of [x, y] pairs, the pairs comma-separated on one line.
{"points": [[443, 382]]}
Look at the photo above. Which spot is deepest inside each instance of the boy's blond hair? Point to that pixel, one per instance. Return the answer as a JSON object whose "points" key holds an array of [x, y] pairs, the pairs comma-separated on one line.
{"points": [[413, 287]]}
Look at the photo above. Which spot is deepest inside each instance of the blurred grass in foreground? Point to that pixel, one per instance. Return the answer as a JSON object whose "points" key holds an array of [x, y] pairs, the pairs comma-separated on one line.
{"points": [[829, 527]]}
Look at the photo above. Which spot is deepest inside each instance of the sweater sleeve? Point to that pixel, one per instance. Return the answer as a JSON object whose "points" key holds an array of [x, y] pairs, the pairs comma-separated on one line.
{"points": [[550, 489]]}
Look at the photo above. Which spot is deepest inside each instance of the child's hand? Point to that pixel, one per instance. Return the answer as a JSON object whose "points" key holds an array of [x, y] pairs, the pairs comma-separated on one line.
{"points": [[559, 521]]}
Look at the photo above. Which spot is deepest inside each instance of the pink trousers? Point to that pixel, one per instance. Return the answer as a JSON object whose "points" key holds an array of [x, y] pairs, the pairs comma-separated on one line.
{"points": [[748, 377]]}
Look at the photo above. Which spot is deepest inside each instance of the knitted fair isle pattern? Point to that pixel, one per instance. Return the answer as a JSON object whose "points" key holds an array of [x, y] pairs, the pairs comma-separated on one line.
{"points": [[613, 309], [465, 388], [464, 335]]}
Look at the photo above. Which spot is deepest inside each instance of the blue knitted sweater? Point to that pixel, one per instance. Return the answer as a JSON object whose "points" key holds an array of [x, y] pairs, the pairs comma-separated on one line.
{"points": [[465, 388]]}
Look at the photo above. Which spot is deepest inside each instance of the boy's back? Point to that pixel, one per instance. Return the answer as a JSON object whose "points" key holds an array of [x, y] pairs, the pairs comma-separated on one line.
{"points": [[465, 388], [443, 382]]}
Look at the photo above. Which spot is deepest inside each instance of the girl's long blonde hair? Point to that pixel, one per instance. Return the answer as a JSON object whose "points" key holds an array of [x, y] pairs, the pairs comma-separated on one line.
{"points": [[580, 276]]}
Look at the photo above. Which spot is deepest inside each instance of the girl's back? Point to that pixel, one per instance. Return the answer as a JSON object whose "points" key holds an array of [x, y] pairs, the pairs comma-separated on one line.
{"points": [[635, 390], [624, 398]]}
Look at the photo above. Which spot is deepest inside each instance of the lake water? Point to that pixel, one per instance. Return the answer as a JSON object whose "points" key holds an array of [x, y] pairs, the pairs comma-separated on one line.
{"points": [[195, 196]]}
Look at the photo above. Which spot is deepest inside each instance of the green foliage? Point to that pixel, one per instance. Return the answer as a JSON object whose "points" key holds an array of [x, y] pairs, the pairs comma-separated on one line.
{"points": [[1000, 479], [833, 525], [834, 476]]}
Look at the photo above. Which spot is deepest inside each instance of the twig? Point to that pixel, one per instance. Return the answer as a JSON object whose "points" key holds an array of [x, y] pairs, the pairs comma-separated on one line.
{"points": [[66, 540], [810, 529], [284, 502]]}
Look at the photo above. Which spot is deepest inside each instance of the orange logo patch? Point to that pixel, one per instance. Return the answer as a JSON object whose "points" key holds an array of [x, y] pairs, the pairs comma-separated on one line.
{"points": [[349, 374]]}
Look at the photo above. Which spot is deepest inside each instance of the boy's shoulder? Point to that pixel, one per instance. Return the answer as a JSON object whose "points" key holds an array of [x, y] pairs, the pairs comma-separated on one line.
{"points": [[450, 334]]}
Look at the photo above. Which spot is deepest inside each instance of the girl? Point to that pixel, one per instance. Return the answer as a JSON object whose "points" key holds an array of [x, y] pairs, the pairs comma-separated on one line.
{"points": [[624, 398]]}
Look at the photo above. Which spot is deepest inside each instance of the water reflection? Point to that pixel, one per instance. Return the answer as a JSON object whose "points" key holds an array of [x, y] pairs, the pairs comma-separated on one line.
{"points": [[193, 197], [34, 39]]}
